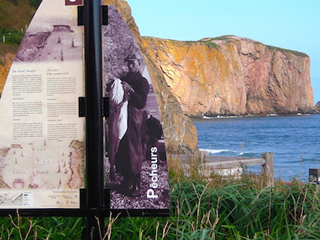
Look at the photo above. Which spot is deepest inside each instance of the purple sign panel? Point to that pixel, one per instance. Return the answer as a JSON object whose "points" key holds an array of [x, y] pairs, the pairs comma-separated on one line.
{"points": [[136, 164], [73, 2]]}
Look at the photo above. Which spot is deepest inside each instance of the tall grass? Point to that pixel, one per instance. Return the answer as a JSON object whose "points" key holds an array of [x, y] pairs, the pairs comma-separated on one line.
{"points": [[201, 209], [41, 228]]}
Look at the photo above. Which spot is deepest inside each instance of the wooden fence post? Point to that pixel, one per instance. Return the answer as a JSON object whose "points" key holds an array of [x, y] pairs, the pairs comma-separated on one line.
{"points": [[267, 168]]}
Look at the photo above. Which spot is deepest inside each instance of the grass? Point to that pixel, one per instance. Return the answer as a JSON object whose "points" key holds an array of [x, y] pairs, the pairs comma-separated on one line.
{"points": [[12, 26], [208, 41], [211, 44], [202, 208], [299, 54], [12, 37], [41, 228], [16, 14]]}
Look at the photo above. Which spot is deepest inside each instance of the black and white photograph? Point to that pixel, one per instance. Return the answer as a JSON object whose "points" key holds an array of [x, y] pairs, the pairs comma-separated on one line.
{"points": [[52, 39], [136, 164]]}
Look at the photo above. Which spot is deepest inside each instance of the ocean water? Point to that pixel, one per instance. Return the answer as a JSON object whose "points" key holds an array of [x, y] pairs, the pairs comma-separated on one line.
{"points": [[294, 141]]}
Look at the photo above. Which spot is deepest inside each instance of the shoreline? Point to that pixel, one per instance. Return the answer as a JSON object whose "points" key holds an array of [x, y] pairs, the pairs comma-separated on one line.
{"points": [[293, 139], [251, 116]]}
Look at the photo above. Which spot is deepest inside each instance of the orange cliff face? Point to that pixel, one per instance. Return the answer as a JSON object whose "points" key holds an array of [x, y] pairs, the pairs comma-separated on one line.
{"points": [[233, 76], [5, 68]]}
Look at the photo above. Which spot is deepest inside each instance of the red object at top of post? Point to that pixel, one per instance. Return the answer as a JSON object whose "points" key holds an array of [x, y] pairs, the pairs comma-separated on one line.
{"points": [[74, 2]]}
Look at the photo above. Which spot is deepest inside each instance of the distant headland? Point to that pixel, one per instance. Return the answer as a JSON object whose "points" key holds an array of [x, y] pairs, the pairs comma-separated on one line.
{"points": [[232, 76]]}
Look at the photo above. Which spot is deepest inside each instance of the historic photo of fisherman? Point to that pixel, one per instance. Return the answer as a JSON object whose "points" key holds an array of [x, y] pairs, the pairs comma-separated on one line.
{"points": [[136, 166]]}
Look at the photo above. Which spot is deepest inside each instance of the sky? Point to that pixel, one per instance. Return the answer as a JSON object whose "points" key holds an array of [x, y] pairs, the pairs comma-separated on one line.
{"points": [[289, 24]]}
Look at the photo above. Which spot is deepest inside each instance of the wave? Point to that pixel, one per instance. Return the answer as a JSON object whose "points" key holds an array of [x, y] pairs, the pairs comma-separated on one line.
{"points": [[214, 151], [303, 114], [221, 117], [227, 152], [248, 154], [205, 117]]}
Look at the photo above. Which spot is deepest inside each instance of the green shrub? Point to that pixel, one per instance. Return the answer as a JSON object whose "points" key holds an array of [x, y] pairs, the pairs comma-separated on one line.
{"points": [[15, 2], [35, 3], [11, 36]]}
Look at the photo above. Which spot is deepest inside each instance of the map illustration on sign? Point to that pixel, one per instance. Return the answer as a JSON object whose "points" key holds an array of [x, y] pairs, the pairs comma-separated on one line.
{"points": [[136, 171], [42, 137]]}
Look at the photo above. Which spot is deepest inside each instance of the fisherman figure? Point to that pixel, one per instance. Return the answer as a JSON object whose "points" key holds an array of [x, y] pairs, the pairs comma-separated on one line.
{"points": [[130, 153]]}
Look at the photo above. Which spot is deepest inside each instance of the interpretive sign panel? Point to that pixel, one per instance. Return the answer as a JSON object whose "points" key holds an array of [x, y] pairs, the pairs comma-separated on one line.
{"points": [[137, 172], [41, 138]]}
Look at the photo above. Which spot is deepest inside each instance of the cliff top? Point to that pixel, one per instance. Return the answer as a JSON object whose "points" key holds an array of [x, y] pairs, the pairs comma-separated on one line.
{"points": [[216, 41]]}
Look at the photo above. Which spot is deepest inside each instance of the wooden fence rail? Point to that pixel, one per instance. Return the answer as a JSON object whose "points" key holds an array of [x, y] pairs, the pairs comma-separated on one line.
{"points": [[222, 162]]}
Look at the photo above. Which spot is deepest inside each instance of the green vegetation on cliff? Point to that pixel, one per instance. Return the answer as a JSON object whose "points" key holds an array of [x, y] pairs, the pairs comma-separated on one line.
{"points": [[232, 37], [35, 3], [211, 44], [300, 54], [15, 16], [11, 37]]}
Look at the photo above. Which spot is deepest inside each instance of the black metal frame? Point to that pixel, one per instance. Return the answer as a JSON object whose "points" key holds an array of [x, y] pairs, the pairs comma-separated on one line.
{"points": [[94, 118]]}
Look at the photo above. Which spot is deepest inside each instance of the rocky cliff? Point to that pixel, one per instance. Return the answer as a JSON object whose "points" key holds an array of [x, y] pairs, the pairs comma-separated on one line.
{"points": [[230, 75], [317, 107], [7, 60], [180, 132]]}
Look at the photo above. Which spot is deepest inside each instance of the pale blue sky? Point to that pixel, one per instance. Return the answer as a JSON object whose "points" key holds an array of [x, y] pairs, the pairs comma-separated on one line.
{"points": [[290, 24]]}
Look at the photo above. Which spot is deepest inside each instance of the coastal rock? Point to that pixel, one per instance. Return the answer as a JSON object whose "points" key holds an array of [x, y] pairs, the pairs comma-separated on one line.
{"points": [[316, 108], [231, 75], [5, 68]]}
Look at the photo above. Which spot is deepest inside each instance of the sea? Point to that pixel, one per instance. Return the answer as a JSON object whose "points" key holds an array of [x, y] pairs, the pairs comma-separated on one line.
{"points": [[293, 140]]}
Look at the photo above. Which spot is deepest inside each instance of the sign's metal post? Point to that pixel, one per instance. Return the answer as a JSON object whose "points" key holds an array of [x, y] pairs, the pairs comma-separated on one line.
{"points": [[94, 118]]}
